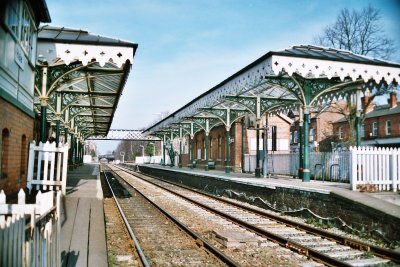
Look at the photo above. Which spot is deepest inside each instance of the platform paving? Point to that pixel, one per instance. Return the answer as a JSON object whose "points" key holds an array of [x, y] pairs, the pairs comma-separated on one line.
{"points": [[387, 202], [83, 241]]}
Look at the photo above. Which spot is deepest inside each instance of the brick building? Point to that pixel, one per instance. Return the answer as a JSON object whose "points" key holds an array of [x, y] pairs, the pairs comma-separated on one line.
{"points": [[242, 141], [18, 37], [321, 132], [381, 125]]}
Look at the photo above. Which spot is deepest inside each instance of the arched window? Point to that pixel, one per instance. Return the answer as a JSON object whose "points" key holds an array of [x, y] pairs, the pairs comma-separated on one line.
{"points": [[5, 148], [24, 157]]}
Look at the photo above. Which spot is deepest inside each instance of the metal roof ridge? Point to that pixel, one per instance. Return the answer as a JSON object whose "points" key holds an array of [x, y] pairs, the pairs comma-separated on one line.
{"points": [[61, 29]]}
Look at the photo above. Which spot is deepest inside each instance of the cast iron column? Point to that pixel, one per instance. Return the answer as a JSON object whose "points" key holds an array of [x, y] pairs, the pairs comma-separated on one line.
{"points": [[43, 106], [242, 145], [258, 168], [206, 152], [306, 170], [228, 151]]}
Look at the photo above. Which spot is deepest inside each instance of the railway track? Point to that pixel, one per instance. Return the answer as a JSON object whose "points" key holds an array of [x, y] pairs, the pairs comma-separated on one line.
{"points": [[159, 239], [317, 244]]}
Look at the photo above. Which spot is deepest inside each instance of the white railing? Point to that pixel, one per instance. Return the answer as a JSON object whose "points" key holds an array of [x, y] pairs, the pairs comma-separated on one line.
{"points": [[332, 166], [148, 160], [378, 167], [30, 233], [47, 166]]}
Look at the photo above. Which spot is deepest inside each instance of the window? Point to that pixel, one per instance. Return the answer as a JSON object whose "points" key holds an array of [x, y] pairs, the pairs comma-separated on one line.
{"points": [[374, 129], [341, 133], [5, 142], [388, 128], [295, 137], [363, 130], [12, 15], [21, 24], [312, 132], [24, 155], [27, 31]]}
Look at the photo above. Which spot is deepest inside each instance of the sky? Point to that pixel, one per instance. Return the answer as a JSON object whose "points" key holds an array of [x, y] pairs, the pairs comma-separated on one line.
{"points": [[186, 47]]}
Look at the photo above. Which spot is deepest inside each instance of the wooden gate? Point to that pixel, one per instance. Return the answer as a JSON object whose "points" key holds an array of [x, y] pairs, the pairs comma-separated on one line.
{"points": [[47, 168]]}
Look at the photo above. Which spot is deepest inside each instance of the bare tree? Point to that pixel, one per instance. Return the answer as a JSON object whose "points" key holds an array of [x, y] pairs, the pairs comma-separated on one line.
{"points": [[358, 31], [348, 109]]}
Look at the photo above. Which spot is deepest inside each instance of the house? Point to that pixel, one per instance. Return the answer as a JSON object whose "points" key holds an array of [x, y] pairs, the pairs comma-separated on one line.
{"points": [[381, 125], [321, 132], [18, 41]]}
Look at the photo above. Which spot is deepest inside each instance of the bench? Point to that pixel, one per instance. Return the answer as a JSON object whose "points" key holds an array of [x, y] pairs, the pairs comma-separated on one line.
{"points": [[211, 165]]}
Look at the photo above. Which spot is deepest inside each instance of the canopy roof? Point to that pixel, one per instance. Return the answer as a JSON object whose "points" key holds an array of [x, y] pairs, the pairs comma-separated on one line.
{"points": [[300, 76], [87, 72]]}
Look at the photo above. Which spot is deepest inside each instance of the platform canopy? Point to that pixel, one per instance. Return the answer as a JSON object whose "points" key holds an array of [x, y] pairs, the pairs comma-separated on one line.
{"points": [[80, 78], [298, 77]]}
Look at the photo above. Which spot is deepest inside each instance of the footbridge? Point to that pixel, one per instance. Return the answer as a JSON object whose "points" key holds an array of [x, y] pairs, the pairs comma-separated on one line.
{"points": [[123, 134]]}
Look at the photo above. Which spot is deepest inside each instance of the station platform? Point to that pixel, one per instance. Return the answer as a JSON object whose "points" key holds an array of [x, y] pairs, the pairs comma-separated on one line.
{"points": [[386, 202], [83, 240]]}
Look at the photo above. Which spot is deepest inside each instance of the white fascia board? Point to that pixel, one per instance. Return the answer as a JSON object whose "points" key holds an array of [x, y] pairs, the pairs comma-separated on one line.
{"points": [[84, 53]]}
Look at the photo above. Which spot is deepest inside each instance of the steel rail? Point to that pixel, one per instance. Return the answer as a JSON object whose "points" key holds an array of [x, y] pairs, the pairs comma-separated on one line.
{"points": [[139, 250], [199, 240], [378, 251]]}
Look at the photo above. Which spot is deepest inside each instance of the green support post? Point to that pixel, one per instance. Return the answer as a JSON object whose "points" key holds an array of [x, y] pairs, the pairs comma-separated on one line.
{"points": [[306, 169], [65, 134], [180, 153], [72, 149], [228, 153], [206, 153], [258, 168], [358, 130], [301, 151], [43, 136], [57, 132], [191, 148], [242, 145]]}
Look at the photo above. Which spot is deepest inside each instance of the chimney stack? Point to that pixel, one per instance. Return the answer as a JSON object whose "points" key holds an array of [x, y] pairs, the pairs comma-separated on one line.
{"points": [[364, 102], [392, 99]]}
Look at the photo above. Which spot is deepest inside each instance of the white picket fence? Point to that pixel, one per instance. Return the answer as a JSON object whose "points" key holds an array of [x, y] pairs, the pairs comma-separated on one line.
{"points": [[51, 164], [30, 233], [375, 166]]}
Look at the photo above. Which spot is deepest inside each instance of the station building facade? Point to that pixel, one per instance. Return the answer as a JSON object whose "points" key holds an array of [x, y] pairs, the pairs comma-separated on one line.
{"points": [[243, 142], [381, 125], [19, 20]]}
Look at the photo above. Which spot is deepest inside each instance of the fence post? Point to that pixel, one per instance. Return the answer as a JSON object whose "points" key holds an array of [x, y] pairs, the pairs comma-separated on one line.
{"points": [[353, 168], [31, 165], [394, 174]]}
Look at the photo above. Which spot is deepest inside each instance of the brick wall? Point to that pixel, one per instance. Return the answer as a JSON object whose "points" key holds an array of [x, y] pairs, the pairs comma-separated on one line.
{"points": [[18, 124]]}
